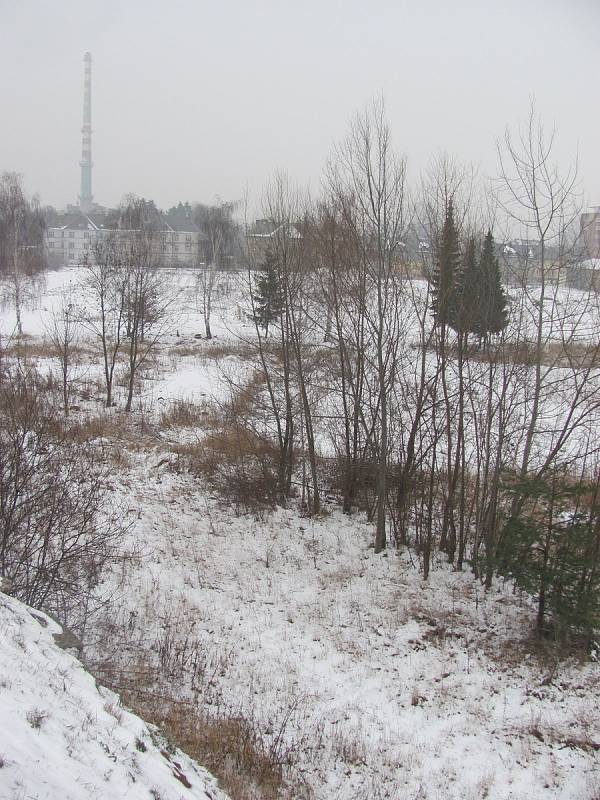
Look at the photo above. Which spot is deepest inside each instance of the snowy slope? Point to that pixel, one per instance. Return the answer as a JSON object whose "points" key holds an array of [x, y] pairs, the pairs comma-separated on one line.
{"points": [[364, 680], [63, 737], [381, 685]]}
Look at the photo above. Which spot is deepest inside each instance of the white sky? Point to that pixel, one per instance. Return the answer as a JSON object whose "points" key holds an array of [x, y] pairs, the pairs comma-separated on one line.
{"points": [[193, 100]]}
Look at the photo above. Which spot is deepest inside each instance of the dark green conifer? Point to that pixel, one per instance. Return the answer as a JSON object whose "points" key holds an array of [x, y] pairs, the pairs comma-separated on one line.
{"points": [[444, 276], [551, 549], [268, 296], [493, 313], [465, 314]]}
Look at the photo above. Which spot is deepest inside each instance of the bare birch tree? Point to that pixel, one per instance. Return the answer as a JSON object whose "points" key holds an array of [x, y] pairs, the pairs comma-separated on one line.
{"points": [[374, 177], [63, 333], [21, 242]]}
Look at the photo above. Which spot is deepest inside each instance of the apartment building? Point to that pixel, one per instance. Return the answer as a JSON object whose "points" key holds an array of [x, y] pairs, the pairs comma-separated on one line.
{"points": [[590, 232], [175, 244]]}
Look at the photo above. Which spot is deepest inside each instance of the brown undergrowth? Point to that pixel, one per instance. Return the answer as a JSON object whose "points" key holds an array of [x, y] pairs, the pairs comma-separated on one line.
{"points": [[230, 745], [184, 413]]}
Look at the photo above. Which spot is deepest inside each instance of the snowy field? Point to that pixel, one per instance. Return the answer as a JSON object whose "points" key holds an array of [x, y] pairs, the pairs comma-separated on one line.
{"points": [[385, 686], [365, 680]]}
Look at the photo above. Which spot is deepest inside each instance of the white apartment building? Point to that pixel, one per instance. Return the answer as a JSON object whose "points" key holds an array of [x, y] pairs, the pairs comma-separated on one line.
{"points": [[72, 243], [590, 232]]}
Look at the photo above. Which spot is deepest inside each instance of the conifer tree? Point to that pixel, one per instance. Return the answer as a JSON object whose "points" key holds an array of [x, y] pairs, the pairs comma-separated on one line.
{"points": [[445, 273], [464, 316], [492, 305], [268, 296], [552, 550]]}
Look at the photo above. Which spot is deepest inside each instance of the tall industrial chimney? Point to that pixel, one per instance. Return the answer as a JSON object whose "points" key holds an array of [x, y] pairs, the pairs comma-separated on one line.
{"points": [[85, 197]]}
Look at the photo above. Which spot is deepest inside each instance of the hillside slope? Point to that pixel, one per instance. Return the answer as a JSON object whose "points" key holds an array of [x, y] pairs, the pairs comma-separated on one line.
{"points": [[62, 736]]}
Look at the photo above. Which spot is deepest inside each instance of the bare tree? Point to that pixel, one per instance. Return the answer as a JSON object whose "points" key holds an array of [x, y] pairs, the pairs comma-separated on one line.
{"points": [[105, 315], [375, 180], [541, 201], [132, 302], [57, 527], [343, 288], [150, 303], [277, 361], [63, 333], [217, 224], [447, 185], [21, 241]]}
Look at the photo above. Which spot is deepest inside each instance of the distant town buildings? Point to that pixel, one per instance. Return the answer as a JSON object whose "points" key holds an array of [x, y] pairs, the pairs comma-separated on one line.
{"points": [[590, 232], [585, 271], [263, 235], [174, 242]]}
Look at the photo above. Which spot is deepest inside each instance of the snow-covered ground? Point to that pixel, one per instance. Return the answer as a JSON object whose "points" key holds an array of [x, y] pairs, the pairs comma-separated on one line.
{"points": [[381, 685], [363, 680], [63, 737]]}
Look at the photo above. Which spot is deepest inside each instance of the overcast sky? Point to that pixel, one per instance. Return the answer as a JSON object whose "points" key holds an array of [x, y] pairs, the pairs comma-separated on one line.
{"points": [[194, 100]]}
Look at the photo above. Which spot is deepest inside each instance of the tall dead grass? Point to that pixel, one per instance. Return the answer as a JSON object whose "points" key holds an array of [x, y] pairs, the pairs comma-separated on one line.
{"points": [[184, 413], [237, 462], [231, 746]]}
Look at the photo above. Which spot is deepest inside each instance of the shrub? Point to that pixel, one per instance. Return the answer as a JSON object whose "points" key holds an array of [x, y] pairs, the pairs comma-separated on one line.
{"points": [[551, 547], [183, 414], [57, 529], [239, 463]]}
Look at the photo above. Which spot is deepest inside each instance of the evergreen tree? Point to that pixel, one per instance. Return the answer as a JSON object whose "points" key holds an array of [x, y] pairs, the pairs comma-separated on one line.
{"points": [[268, 296], [552, 551], [492, 305], [446, 270], [464, 315]]}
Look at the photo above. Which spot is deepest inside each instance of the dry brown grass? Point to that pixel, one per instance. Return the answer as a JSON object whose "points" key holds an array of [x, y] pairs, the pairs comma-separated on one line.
{"points": [[31, 349], [186, 349], [239, 463], [574, 355], [213, 349], [96, 427], [229, 746], [120, 435], [184, 414]]}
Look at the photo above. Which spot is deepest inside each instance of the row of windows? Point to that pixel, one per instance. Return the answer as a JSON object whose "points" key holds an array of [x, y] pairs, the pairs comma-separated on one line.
{"points": [[175, 248], [51, 234], [86, 235]]}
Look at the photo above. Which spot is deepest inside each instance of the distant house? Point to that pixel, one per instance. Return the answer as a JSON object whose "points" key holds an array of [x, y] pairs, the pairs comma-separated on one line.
{"points": [[521, 262], [185, 243], [177, 242], [590, 232], [585, 275], [264, 235], [70, 240]]}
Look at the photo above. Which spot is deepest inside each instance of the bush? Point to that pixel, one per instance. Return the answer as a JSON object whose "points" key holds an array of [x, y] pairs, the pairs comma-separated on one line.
{"points": [[551, 548], [57, 530], [240, 464], [183, 414]]}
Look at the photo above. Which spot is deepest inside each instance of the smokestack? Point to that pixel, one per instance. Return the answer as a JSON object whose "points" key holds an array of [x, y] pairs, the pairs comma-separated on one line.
{"points": [[85, 197]]}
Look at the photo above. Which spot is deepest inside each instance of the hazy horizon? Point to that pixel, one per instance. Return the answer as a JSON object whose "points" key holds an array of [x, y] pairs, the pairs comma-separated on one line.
{"points": [[194, 102]]}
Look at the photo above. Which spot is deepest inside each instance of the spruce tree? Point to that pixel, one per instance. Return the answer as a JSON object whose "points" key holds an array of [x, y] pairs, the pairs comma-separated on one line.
{"points": [[446, 270], [268, 296], [493, 313], [464, 315], [551, 549]]}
